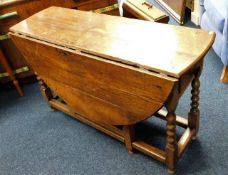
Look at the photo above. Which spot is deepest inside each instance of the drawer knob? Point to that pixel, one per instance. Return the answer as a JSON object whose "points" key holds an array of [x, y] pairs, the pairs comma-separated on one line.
{"points": [[147, 4]]}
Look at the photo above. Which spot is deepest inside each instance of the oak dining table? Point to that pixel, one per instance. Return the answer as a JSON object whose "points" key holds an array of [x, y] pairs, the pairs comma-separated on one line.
{"points": [[113, 73]]}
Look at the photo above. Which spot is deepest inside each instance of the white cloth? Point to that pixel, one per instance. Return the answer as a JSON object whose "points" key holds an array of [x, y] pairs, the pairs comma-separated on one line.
{"points": [[120, 2]]}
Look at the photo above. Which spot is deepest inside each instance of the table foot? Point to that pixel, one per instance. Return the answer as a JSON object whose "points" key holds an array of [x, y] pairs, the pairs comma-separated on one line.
{"points": [[194, 137], [171, 171], [131, 152]]}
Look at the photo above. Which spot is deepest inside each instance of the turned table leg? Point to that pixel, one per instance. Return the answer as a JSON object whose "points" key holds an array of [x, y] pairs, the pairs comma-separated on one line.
{"points": [[171, 149], [193, 115], [171, 145]]}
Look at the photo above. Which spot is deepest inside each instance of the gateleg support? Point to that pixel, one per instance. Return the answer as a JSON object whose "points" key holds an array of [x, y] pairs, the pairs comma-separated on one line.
{"points": [[45, 91]]}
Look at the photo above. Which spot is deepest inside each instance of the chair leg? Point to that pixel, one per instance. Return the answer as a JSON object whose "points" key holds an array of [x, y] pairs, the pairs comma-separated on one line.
{"points": [[224, 75], [10, 72]]}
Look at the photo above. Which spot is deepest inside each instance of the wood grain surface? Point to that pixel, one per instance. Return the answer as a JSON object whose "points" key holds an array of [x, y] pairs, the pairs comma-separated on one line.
{"points": [[115, 93], [116, 71], [167, 49]]}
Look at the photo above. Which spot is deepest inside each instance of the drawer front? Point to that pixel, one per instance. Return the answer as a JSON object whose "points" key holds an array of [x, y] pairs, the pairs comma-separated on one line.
{"points": [[24, 10], [95, 4]]}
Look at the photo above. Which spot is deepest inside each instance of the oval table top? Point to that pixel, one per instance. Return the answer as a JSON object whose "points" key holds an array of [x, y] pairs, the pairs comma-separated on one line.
{"points": [[167, 49]]}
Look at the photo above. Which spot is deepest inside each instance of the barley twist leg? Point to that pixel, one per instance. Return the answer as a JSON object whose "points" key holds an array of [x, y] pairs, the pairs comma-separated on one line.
{"points": [[193, 115], [171, 145]]}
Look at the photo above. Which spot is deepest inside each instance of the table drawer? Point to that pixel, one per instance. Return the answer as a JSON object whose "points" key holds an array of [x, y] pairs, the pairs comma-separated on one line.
{"points": [[141, 9], [94, 4]]}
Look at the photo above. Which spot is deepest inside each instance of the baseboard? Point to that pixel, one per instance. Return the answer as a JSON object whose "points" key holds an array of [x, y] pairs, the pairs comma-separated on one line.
{"points": [[195, 18]]}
